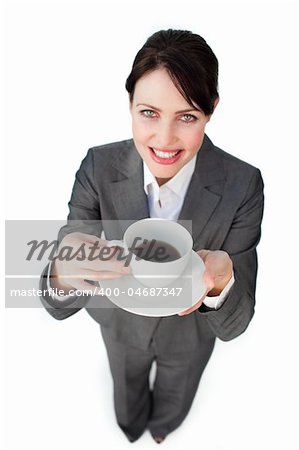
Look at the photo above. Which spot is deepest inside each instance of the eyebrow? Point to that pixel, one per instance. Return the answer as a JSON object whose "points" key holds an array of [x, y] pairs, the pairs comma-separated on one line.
{"points": [[177, 112]]}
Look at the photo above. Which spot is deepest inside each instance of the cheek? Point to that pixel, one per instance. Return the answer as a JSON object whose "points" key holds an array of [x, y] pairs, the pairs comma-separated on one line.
{"points": [[140, 130], [193, 139]]}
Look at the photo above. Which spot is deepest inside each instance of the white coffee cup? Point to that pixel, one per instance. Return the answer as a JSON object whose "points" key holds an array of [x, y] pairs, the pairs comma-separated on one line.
{"points": [[152, 273]]}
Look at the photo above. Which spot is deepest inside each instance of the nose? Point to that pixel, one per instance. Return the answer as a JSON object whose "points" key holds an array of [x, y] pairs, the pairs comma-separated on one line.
{"points": [[165, 135]]}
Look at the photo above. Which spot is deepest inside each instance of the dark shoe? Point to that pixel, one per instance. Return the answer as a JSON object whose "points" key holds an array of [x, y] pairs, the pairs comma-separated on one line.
{"points": [[132, 435], [158, 439], [132, 438]]}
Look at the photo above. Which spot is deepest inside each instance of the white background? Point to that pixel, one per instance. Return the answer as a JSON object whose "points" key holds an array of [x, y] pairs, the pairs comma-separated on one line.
{"points": [[65, 65]]}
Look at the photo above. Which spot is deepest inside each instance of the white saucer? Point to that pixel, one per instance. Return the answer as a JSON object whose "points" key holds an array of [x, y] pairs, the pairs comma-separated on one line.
{"points": [[127, 292]]}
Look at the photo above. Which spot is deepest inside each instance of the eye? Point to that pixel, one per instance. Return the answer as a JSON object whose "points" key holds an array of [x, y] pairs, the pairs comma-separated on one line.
{"points": [[189, 118], [148, 113]]}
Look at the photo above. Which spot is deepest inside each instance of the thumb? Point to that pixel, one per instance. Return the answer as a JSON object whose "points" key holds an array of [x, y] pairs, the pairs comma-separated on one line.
{"points": [[203, 253], [209, 280]]}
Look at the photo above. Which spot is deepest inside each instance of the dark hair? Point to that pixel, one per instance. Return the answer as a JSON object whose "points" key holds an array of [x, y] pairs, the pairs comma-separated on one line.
{"points": [[189, 61]]}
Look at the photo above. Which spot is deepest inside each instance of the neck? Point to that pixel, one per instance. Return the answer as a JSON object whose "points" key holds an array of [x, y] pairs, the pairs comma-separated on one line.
{"points": [[162, 181]]}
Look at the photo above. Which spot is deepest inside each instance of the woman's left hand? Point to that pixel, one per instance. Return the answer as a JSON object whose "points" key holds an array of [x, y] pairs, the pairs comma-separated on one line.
{"points": [[219, 270]]}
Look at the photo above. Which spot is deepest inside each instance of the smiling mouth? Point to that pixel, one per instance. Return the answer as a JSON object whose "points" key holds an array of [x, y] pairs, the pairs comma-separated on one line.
{"points": [[165, 155]]}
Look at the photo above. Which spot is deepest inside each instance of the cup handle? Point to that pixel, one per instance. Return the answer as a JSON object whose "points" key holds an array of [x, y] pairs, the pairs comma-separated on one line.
{"points": [[116, 243]]}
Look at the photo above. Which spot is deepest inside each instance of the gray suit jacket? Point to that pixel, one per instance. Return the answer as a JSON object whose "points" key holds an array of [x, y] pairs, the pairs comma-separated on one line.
{"points": [[225, 203]]}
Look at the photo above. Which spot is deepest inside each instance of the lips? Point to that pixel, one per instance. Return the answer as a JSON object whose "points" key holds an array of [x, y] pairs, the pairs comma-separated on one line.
{"points": [[165, 156]]}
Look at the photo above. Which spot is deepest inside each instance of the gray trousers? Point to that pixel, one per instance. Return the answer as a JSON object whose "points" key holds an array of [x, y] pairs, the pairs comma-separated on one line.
{"points": [[163, 408]]}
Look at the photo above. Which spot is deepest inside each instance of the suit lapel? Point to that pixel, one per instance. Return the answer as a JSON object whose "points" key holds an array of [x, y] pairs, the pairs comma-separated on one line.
{"points": [[127, 191], [205, 189], [129, 198]]}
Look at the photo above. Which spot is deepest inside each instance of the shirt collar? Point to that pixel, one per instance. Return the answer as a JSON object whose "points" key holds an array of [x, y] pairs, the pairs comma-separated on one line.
{"points": [[178, 184]]}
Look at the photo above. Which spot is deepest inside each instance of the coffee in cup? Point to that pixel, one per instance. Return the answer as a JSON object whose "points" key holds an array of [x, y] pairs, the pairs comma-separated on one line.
{"points": [[147, 242]]}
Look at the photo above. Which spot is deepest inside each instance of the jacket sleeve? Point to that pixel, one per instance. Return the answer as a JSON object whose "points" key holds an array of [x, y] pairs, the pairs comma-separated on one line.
{"points": [[233, 317], [59, 309], [84, 216]]}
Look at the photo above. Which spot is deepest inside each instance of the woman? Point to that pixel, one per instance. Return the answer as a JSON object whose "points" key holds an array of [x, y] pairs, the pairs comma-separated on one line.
{"points": [[170, 169]]}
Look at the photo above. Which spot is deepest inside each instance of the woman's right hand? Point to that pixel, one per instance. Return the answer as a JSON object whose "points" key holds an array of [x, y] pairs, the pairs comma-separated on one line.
{"points": [[88, 262]]}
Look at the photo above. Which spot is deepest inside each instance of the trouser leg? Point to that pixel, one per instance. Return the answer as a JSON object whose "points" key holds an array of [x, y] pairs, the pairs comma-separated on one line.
{"points": [[175, 386], [130, 368]]}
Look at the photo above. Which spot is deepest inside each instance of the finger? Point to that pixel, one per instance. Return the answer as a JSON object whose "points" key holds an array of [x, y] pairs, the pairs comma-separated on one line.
{"points": [[100, 275], [96, 251], [111, 265], [83, 286], [81, 280], [86, 242], [105, 275], [218, 269], [190, 310], [92, 239], [203, 253], [209, 280]]}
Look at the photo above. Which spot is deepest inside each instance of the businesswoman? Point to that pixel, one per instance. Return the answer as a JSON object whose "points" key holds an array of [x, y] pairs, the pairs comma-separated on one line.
{"points": [[168, 169]]}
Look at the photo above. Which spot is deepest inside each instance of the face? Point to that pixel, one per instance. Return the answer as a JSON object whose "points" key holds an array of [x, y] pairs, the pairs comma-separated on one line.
{"points": [[167, 131]]}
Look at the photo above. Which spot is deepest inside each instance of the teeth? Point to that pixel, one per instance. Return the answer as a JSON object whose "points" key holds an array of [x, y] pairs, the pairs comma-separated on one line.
{"points": [[165, 155]]}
